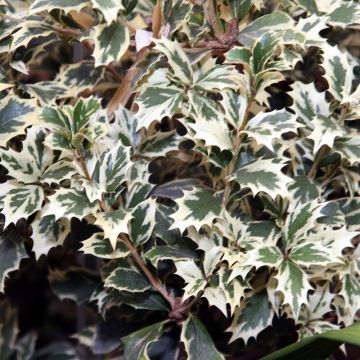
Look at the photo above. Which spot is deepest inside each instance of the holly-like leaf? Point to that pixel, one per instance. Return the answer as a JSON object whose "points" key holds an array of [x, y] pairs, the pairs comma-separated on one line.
{"points": [[114, 164], [277, 20], [69, 203], [15, 115], [196, 208], [157, 102], [111, 43], [33, 159], [177, 59], [101, 247], [136, 344], [65, 5], [294, 285], [21, 202], [300, 221], [255, 316], [345, 14], [109, 8], [197, 341], [127, 279], [263, 175], [12, 250], [168, 252], [143, 222], [47, 233], [113, 223], [265, 127]]}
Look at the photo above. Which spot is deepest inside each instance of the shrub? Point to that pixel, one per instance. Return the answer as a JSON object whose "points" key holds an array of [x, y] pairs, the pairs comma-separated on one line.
{"points": [[208, 151]]}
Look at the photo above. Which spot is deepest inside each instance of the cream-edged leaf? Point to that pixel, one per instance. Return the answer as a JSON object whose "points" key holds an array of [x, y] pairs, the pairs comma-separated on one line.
{"points": [[30, 163], [263, 175], [65, 5], [101, 247], [21, 202], [111, 42], [255, 316], [220, 77], [143, 222], [114, 164], [177, 59], [15, 115], [48, 233], [136, 344], [109, 8], [69, 203], [268, 126], [157, 102], [198, 207], [294, 285], [193, 277], [127, 279], [113, 223], [197, 341]]}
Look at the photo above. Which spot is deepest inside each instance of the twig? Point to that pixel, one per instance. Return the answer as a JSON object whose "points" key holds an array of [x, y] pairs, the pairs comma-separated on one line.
{"points": [[67, 31], [153, 281]]}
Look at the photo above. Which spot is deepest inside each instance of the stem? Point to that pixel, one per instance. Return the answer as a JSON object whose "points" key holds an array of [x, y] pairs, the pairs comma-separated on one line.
{"points": [[79, 157], [67, 31], [153, 281]]}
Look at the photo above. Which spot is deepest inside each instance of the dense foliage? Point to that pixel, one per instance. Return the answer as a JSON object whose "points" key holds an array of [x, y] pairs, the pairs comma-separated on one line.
{"points": [[198, 154]]}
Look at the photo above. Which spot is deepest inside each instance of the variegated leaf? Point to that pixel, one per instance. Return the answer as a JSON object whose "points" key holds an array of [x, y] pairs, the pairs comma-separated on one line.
{"points": [[111, 42], [143, 222], [215, 296], [15, 115], [127, 279], [109, 8], [308, 102], [21, 202], [294, 285], [198, 207], [304, 190], [220, 77], [66, 5], [46, 92], [338, 72], [34, 158], [263, 49], [197, 341], [157, 102], [345, 14], [264, 256], [136, 344], [299, 222], [113, 223], [114, 164], [255, 316], [12, 250], [58, 172], [235, 106], [69, 203], [47, 233], [101, 247], [277, 20], [311, 253], [177, 59], [350, 292], [349, 149], [168, 252], [265, 127], [192, 276], [263, 175]]}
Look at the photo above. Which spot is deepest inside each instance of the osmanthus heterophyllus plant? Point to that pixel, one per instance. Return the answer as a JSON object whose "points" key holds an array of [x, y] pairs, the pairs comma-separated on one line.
{"points": [[217, 140]]}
